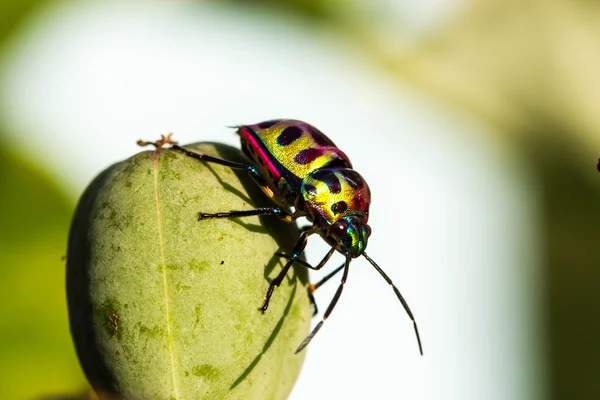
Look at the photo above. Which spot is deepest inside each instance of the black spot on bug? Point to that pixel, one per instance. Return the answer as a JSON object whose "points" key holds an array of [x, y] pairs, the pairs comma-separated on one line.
{"points": [[339, 207], [268, 124], [355, 181], [330, 179], [307, 156], [333, 183], [310, 189], [319, 138], [289, 135]]}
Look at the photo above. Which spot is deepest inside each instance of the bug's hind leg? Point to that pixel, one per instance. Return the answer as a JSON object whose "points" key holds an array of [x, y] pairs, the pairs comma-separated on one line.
{"points": [[296, 251], [250, 169]]}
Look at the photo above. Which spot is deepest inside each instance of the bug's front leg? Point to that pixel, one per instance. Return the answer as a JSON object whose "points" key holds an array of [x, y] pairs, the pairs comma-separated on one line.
{"points": [[331, 306], [296, 251], [312, 288]]}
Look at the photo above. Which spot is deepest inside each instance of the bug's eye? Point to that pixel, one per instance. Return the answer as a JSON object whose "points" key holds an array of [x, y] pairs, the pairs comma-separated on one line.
{"points": [[340, 228]]}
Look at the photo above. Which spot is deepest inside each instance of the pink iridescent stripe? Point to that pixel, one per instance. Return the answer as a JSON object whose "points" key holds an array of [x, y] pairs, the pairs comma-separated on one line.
{"points": [[250, 138]]}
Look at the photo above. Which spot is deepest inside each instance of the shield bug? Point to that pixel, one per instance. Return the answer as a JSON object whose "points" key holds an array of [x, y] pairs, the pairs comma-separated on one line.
{"points": [[301, 169]]}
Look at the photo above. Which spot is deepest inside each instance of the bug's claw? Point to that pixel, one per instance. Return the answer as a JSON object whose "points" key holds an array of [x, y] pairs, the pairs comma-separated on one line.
{"points": [[264, 306], [313, 303], [202, 216], [267, 298]]}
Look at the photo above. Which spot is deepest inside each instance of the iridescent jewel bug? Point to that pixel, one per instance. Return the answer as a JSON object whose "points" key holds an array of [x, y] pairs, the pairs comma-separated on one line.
{"points": [[298, 167]]}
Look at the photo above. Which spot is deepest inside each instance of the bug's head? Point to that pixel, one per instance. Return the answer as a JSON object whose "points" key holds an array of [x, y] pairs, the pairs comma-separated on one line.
{"points": [[350, 234]]}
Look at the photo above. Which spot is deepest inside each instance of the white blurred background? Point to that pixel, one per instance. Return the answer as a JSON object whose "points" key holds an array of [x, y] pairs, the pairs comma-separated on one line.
{"points": [[455, 213]]}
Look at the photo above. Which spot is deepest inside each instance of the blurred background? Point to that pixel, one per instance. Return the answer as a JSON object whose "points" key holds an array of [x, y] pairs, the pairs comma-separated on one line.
{"points": [[475, 123]]}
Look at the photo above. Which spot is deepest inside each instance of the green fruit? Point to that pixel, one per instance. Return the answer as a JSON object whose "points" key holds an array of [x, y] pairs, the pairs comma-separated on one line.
{"points": [[163, 306]]}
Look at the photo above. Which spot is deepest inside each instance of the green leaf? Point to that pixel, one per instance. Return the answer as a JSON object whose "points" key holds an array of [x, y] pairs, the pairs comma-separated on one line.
{"points": [[163, 306]]}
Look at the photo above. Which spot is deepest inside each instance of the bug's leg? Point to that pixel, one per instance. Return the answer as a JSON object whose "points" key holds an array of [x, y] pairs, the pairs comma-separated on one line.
{"points": [[332, 304], [250, 169], [206, 158], [307, 265], [279, 212], [276, 211], [312, 288], [296, 251], [399, 295], [313, 304]]}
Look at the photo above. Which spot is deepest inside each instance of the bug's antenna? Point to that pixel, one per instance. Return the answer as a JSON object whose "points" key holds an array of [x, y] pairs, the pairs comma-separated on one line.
{"points": [[332, 304], [404, 303]]}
